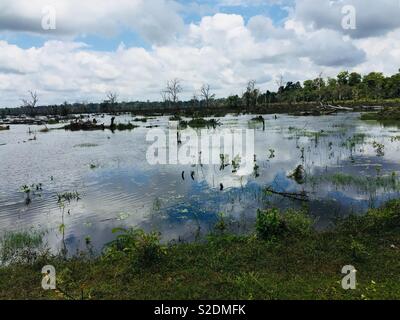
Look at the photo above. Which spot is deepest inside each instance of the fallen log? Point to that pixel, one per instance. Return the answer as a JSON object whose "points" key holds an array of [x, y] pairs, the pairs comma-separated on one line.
{"points": [[302, 196]]}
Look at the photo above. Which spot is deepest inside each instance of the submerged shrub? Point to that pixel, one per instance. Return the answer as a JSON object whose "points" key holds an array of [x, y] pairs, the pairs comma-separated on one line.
{"points": [[144, 249], [271, 223]]}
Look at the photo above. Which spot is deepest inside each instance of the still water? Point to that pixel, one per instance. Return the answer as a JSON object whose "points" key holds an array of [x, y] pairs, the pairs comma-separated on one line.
{"points": [[350, 166]]}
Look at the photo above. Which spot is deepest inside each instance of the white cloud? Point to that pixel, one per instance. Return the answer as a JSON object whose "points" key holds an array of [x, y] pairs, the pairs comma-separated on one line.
{"points": [[157, 21], [223, 50], [373, 18]]}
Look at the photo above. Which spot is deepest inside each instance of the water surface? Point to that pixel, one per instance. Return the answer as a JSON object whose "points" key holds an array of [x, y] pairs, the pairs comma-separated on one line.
{"points": [[351, 166]]}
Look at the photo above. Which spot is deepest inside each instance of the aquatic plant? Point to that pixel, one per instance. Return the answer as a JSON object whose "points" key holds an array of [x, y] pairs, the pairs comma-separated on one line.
{"points": [[34, 189], [379, 148], [53, 121], [125, 126], [224, 161], [271, 153], [236, 163], [140, 120], [199, 123], [256, 169], [368, 184], [68, 196], [354, 140], [258, 119], [86, 145]]}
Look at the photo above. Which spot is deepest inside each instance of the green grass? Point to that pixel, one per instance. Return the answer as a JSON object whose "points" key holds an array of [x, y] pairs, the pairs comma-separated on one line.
{"points": [[387, 183], [305, 264], [387, 114]]}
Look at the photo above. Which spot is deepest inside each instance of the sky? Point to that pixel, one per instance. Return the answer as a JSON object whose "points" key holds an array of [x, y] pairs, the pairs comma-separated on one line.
{"points": [[77, 51]]}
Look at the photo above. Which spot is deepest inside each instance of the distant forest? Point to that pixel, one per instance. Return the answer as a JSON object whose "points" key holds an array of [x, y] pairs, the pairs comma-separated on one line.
{"points": [[347, 86]]}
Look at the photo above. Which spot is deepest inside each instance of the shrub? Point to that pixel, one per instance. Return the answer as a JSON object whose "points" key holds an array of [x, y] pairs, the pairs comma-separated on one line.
{"points": [[358, 250], [269, 224], [144, 249], [272, 223]]}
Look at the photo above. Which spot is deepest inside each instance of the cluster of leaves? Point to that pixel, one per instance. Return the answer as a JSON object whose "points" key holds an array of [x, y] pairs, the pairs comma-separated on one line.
{"points": [[68, 196]]}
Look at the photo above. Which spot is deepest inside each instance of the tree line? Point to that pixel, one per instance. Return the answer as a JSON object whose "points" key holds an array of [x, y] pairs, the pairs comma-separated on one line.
{"points": [[346, 86]]}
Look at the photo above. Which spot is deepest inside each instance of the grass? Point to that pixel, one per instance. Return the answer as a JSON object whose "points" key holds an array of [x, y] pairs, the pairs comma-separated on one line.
{"points": [[20, 246], [296, 263], [387, 183], [199, 123], [125, 126], [86, 145], [387, 114]]}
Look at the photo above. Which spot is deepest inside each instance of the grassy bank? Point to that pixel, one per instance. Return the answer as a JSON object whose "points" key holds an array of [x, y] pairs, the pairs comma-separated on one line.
{"points": [[284, 259]]}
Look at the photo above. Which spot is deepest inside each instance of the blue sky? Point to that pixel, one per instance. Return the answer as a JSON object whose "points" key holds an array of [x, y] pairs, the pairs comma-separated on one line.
{"points": [[133, 47], [191, 13]]}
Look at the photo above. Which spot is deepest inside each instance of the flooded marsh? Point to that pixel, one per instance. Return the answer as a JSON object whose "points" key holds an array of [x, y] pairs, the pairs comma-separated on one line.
{"points": [[77, 186]]}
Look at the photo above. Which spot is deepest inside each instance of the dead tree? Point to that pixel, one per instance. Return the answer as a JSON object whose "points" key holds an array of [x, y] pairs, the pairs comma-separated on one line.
{"points": [[173, 89], [206, 94], [31, 103], [251, 94], [112, 98]]}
